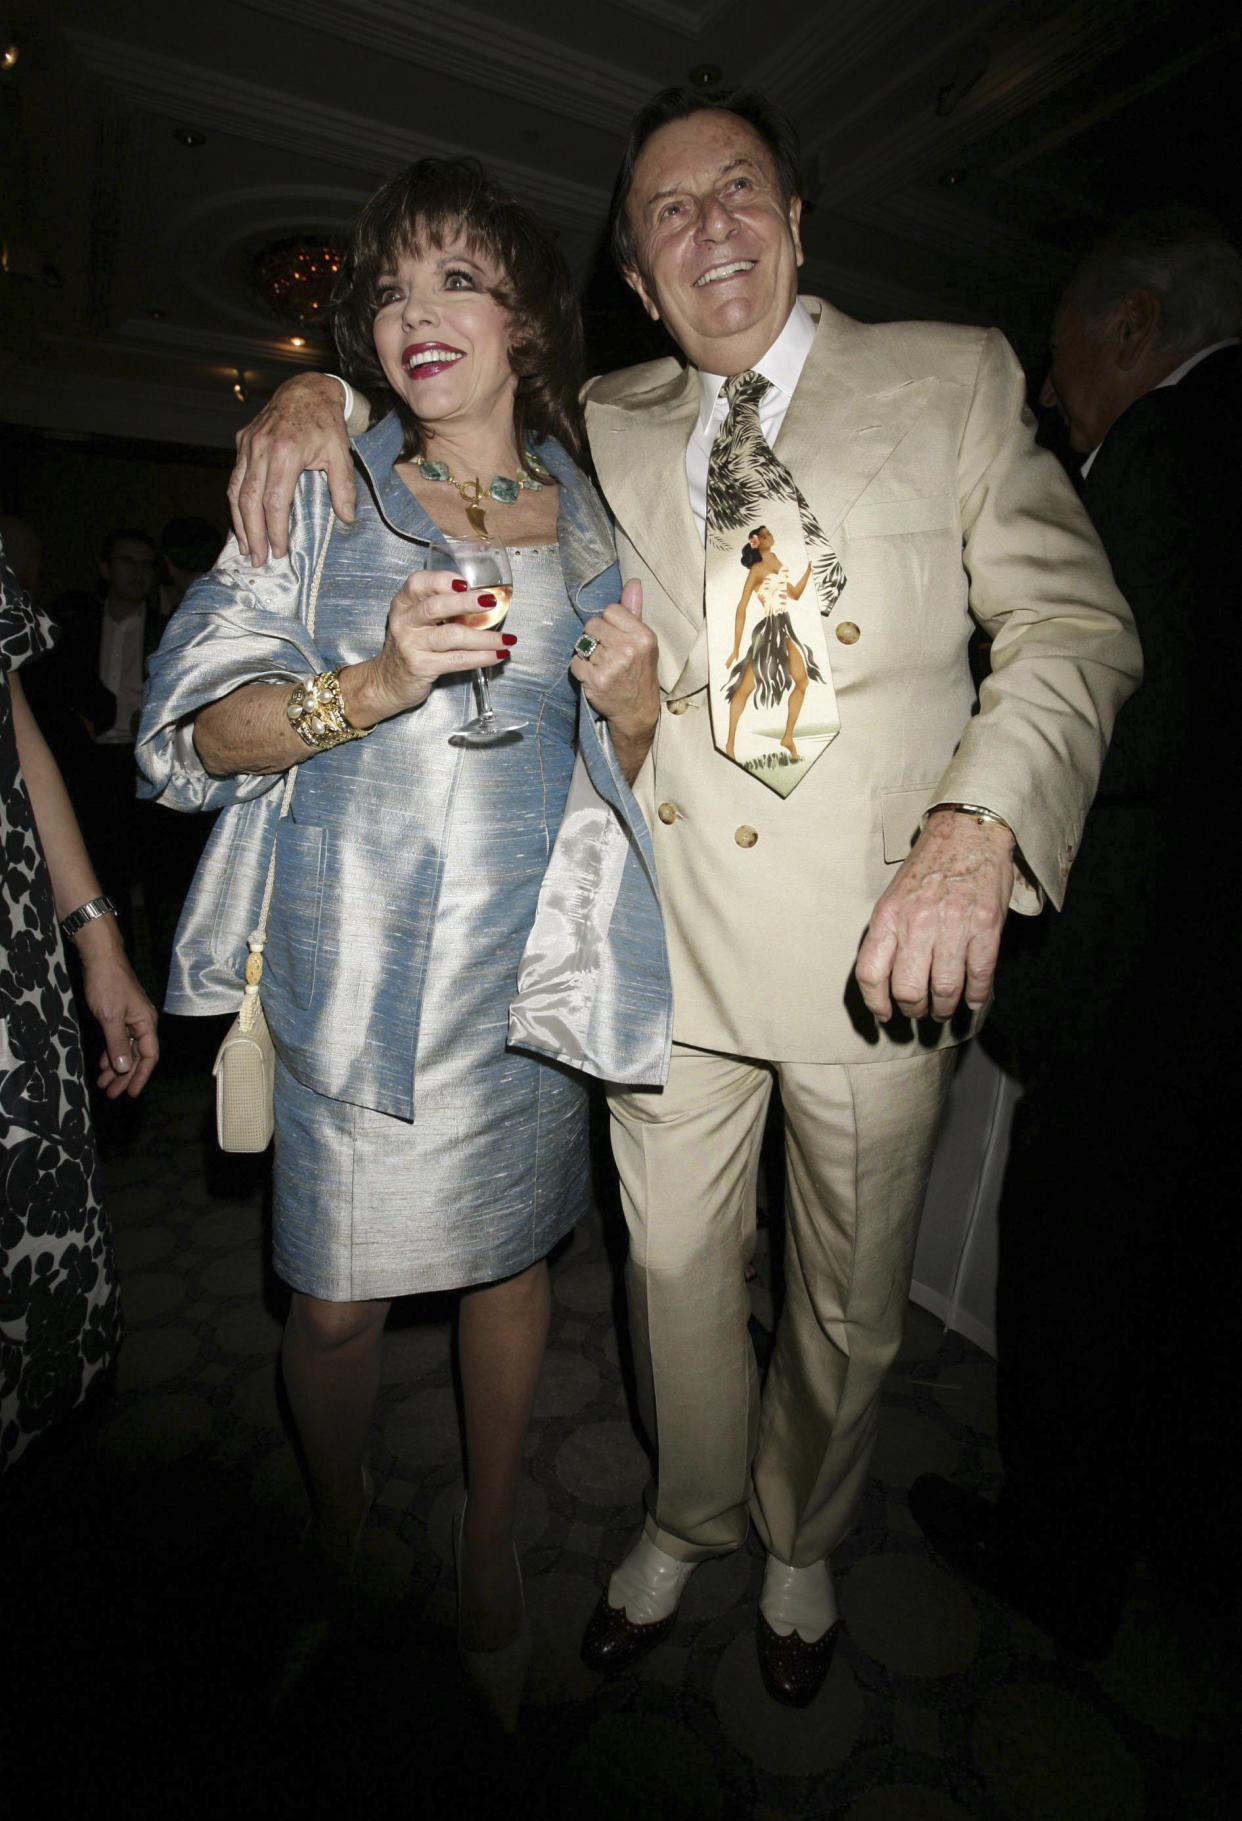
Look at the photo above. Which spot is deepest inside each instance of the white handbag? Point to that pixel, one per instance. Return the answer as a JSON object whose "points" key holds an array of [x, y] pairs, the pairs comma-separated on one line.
{"points": [[245, 1065], [245, 1072]]}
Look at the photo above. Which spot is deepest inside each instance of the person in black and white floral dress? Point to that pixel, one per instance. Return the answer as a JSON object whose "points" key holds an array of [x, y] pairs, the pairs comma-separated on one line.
{"points": [[59, 1309]]}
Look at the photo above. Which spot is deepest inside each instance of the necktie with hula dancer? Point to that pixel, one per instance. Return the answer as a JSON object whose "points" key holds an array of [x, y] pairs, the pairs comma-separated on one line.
{"points": [[772, 702]]}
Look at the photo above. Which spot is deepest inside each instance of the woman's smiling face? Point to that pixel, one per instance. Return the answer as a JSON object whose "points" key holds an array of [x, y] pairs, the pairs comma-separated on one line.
{"points": [[442, 338]]}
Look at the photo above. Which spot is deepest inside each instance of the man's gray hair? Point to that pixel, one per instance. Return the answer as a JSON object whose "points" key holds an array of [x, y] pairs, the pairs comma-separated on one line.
{"points": [[1185, 258]]}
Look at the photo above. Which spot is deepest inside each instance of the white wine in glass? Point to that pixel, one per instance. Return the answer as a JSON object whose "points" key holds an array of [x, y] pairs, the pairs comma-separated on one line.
{"points": [[486, 567]]}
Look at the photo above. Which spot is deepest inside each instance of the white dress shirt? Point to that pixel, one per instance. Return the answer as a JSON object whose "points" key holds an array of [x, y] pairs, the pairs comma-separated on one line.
{"points": [[120, 670], [782, 367]]}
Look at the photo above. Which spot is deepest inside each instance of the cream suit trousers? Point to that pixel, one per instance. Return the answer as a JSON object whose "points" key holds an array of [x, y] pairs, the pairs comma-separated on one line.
{"points": [[858, 1148]]}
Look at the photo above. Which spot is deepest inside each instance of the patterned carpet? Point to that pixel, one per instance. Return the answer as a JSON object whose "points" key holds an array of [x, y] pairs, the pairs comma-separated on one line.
{"points": [[160, 1662]]}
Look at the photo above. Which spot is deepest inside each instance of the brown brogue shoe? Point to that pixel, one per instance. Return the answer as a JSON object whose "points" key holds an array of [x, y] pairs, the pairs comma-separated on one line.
{"points": [[612, 1642], [793, 1671]]}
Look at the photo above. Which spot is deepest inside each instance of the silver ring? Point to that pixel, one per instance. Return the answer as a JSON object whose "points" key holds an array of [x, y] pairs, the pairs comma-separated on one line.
{"points": [[584, 646]]}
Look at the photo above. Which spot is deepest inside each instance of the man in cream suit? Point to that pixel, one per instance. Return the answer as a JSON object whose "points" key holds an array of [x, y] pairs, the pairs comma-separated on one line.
{"points": [[912, 447]]}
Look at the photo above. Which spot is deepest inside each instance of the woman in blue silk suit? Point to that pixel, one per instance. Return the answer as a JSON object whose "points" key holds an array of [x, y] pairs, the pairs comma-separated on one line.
{"points": [[413, 1150]]}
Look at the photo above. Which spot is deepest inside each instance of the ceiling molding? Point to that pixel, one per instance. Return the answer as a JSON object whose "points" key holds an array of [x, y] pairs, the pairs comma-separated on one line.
{"points": [[830, 45], [1055, 54], [211, 243], [226, 103], [461, 42], [100, 405], [1038, 145], [691, 21], [180, 342]]}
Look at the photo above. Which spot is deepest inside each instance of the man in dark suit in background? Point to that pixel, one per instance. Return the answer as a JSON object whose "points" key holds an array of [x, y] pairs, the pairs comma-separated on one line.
{"points": [[1118, 1249], [88, 694]]}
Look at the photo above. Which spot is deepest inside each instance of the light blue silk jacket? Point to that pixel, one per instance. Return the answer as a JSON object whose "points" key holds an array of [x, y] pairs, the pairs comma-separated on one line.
{"points": [[352, 917]]}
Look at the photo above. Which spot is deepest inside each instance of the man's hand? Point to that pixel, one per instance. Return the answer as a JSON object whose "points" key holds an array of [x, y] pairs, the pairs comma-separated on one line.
{"points": [[126, 1016], [619, 677], [301, 426], [934, 935]]}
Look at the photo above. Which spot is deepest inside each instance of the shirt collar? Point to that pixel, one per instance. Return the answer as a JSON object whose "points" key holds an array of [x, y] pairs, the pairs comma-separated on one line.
{"points": [[781, 366], [1179, 373]]}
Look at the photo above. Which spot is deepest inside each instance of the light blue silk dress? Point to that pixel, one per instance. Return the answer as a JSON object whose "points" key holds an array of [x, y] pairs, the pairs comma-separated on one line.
{"points": [[493, 1168], [414, 1149]]}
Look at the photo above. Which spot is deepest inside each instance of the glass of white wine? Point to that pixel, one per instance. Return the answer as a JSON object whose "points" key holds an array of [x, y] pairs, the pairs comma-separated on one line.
{"points": [[486, 567]]}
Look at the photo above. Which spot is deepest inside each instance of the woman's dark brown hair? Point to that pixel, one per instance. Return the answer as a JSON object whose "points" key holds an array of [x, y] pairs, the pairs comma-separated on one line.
{"points": [[429, 205]]}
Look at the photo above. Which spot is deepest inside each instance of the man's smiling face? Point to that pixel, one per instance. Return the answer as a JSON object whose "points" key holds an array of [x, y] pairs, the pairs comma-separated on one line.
{"points": [[716, 245]]}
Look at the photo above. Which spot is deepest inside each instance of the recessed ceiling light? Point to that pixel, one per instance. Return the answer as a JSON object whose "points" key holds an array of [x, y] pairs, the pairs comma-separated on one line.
{"points": [[705, 75], [239, 389], [9, 56], [189, 136], [951, 179], [297, 341]]}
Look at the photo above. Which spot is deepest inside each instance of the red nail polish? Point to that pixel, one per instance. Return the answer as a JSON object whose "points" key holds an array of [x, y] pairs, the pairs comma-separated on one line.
{"points": [[487, 600], [508, 638], [502, 654], [459, 586]]}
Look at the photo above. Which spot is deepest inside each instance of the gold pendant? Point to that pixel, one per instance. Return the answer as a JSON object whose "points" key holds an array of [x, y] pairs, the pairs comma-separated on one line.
{"points": [[472, 497]]}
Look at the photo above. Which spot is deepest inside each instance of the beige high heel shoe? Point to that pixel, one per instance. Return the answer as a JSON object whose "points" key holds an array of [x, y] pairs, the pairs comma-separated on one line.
{"points": [[499, 1675]]}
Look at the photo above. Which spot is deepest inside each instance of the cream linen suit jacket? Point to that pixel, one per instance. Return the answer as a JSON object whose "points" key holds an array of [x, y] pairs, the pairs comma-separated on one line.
{"points": [[914, 448]]}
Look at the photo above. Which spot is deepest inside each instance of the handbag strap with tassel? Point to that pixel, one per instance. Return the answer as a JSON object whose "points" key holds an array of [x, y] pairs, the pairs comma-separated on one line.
{"points": [[257, 939]]}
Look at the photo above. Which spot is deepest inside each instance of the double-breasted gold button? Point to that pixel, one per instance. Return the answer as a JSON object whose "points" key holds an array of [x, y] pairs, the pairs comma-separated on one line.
{"points": [[848, 632], [745, 836], [679, 706], [667, 813]]}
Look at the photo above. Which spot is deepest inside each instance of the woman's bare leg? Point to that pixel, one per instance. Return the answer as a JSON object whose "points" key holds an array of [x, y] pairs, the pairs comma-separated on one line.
{"points": [[330, 1357], [797, 695], [501, 1338], [745, 690]]}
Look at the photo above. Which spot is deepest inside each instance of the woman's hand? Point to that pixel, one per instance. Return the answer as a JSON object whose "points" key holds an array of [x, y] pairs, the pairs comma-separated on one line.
{"points": [[126, 1016], [619, 677], [423, 641]]}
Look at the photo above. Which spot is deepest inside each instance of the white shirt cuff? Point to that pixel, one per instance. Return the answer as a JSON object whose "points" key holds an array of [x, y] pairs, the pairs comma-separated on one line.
{"points": [[357, 410]]}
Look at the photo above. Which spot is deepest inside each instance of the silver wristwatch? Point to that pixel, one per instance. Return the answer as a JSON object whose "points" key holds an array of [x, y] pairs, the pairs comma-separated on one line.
{"points": [[86, 913]]}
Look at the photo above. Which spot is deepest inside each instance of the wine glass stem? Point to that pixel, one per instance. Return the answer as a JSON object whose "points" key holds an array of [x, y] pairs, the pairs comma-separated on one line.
{"points": [[488, 713]]}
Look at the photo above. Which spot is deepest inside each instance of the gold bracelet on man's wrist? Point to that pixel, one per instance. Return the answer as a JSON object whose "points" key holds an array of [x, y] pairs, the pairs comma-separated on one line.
{"points": [[980, 815], [317, 713]]}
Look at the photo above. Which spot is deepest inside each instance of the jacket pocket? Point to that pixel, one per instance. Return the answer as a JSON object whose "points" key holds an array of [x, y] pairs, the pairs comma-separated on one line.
{"points": [[292, 950], [901, 819]]}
